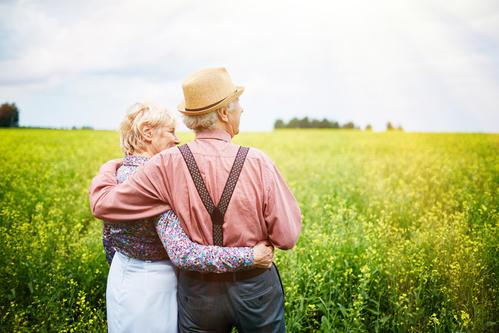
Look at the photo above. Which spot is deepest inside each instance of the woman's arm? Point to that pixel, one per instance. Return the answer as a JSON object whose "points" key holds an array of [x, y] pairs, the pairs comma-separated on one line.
{"points": [[107, 242], [191, 256]]}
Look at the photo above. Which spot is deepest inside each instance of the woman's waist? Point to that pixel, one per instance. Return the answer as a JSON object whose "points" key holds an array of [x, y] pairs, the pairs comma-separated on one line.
{"points": [[140, 248], [136, 264], [144, 252]]}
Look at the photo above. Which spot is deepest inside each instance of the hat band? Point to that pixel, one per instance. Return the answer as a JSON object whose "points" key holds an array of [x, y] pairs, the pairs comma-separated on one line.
{"points": [[209, 106]]}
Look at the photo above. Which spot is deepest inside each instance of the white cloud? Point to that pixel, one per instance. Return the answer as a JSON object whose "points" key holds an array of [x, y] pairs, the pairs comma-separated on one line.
{"points": [[419, 63]]}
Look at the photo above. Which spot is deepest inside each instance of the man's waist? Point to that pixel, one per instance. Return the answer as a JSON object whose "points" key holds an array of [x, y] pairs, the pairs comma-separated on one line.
{"points": [[234, 235]]}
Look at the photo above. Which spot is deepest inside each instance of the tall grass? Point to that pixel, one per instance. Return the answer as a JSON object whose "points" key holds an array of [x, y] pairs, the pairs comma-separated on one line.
{"points": [[400, 230]]}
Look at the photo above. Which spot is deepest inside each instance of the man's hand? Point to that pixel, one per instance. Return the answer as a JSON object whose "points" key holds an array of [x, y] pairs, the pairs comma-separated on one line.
{"points": [[263, 255]]}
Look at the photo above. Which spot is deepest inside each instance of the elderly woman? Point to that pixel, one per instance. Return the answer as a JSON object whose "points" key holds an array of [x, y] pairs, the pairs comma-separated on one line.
{"points": [[142, 282]]}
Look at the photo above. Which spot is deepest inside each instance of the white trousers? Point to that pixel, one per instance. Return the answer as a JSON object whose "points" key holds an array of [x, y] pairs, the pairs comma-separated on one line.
{"points": [[141, 296]]}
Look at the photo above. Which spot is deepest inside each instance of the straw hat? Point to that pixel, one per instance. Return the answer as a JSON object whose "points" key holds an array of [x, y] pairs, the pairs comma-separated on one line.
{"points": [[208, 90]]}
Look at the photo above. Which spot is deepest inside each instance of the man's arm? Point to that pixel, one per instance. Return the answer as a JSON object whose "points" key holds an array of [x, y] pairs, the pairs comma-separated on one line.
{"points": [[142, 195], [281, 211]]}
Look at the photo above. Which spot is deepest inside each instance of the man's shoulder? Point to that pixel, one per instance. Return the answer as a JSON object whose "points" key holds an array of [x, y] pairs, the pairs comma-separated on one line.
{"points": [[171, 150], [162, 158], [256, 153], [259, 156], [168, 152]]}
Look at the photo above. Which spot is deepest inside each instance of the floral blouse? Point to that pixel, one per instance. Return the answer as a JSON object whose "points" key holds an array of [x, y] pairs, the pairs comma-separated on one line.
{"points": [[147, 239]]}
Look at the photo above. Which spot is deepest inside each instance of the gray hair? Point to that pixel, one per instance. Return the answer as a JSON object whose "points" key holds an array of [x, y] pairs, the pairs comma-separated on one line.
{"points": [[204, 122]]}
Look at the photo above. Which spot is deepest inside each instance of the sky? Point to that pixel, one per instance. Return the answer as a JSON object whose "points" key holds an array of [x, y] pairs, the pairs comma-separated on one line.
{"points": [[428, 65]]}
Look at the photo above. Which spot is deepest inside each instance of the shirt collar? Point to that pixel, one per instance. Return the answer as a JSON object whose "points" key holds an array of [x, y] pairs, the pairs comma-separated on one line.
{"points": [[135, 160], [216, 134]]}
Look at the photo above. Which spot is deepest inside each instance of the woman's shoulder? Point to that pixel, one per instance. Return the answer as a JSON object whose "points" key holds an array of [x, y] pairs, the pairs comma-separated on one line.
{"points": [[124, 172], [130, 165]]}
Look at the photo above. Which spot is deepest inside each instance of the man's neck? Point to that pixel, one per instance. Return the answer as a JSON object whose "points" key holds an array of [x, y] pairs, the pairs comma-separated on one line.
{"points": [[215, 133], [223, 127]]}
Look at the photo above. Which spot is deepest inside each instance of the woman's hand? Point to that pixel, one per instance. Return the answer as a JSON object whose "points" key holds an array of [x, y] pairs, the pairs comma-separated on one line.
{"points": [[263, 255]]}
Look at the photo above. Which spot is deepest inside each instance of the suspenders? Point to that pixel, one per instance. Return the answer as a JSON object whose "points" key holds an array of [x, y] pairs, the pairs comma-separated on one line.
{"points": [[217, 213]]}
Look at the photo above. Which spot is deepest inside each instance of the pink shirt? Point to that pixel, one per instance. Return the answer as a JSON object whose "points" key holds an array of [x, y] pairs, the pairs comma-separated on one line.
{"points": [[261, 208]]}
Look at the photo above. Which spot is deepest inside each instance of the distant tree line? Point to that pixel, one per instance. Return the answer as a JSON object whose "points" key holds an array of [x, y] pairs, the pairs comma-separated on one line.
{"points": [[9, 115], [313, 123], [326, 123], [390, 127], [82, 128]]}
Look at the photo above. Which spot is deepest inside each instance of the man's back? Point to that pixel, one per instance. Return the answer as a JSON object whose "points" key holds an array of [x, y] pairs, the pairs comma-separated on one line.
{"points": [[261, 206]]}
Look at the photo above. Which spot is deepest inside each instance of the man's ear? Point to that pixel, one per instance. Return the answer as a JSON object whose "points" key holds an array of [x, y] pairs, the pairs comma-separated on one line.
{"points": [[147, 132], [223, 114]]}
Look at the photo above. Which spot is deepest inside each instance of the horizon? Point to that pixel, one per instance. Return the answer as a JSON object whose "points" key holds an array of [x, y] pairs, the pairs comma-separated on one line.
{"points": [[188, 131]]}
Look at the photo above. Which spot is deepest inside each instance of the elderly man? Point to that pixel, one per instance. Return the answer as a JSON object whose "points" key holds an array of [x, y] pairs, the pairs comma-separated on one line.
{"points": [[224, 195]]}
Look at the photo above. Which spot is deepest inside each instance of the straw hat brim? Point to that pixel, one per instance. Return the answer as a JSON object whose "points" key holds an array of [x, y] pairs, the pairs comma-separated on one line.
{"points": [[238, 92]]}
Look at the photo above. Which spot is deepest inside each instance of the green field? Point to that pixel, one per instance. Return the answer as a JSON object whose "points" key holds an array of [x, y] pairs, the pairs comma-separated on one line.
{"points": [[400, 230]]}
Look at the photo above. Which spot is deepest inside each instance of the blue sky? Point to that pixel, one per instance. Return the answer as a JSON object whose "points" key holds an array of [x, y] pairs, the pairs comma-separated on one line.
{"points": [[429, 65]]}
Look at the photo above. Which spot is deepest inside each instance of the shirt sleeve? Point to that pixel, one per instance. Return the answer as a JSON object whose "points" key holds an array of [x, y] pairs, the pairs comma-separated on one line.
{"points": [[107, 241], [191, 256], [281, 211], [142, 195]]}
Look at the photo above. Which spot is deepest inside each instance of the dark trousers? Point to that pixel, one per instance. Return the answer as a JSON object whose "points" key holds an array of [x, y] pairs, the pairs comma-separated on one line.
{"points": [[255, 304]]}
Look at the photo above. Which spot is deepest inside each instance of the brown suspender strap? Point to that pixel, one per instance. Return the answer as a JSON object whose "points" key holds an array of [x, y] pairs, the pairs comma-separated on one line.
{"points": [[217, 213]]}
